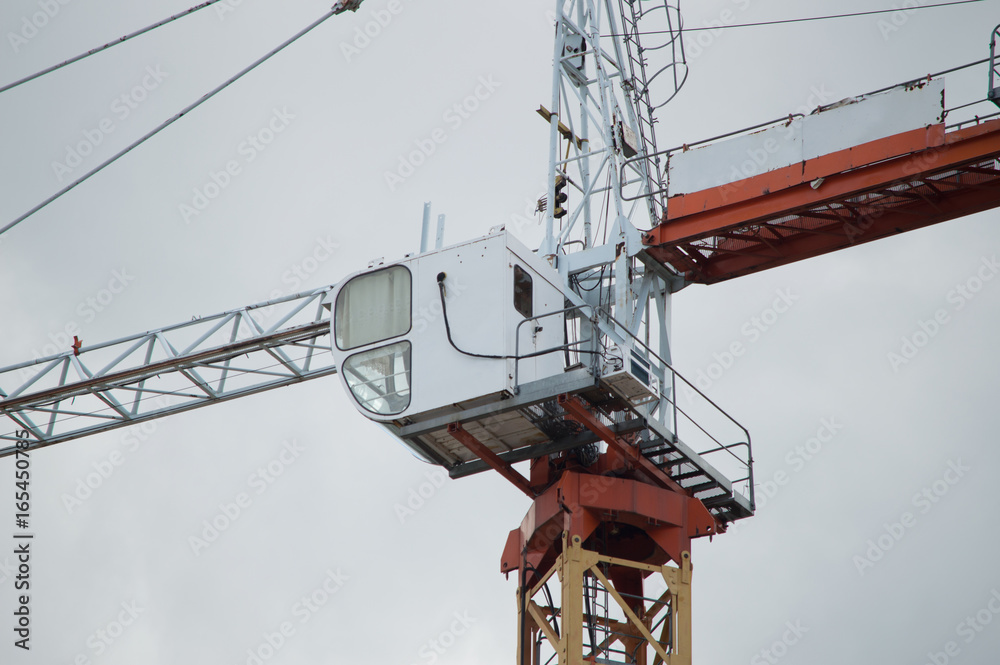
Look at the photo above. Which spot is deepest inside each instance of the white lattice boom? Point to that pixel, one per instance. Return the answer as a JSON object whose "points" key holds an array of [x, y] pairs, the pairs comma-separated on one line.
{"points": [[158, 373]]}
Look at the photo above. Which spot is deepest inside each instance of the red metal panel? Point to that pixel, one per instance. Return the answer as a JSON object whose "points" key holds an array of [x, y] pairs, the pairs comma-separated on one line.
{"points": [[580, 502]]}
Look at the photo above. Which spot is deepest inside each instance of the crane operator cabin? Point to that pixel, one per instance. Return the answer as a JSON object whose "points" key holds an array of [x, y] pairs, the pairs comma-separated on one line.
{"points": [[452, 329]]}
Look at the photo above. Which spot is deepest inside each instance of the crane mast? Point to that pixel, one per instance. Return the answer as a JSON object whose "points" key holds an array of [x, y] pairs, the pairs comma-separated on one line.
{"points": [[603, 112], [608, 554], [603, 164]]}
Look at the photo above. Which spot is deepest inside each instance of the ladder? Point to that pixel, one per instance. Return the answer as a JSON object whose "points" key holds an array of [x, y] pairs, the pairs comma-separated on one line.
{"points": [[635, 14]]}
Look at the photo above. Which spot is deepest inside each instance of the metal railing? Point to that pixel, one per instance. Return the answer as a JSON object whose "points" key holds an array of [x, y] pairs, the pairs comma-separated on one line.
{"points": [[687, 146], [666, 374], [534, 354], [676, 409], [993, 93]]}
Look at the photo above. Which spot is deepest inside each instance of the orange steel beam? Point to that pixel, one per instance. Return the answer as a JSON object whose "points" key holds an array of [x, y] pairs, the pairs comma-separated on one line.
{"points": [[479, 448], [576, 408], [780, 217], [837, 187], [753, 188]]}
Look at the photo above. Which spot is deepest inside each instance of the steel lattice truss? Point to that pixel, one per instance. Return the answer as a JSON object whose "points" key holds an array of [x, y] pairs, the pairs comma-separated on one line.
{"points": [[182, 367], [594, 122]]}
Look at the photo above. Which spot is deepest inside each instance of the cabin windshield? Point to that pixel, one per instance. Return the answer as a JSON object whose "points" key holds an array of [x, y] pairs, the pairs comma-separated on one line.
{"points": [[380, 379], [372, 308]]}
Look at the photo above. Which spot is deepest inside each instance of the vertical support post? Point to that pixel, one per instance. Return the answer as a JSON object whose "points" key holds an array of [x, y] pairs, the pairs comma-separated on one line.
{"points": [[548, 247], [583, 131], [679, 582], [425, 231], [439, 240], [993, 94], [668, 401], [663, 306], [571, 577], [525, 634]]}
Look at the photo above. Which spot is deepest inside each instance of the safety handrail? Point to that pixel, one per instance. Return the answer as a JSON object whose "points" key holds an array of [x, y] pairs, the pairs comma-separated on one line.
{"points": [[687, 146], [676, 408], [994, 76], [517, 341], [992, 93], [596, 316]]}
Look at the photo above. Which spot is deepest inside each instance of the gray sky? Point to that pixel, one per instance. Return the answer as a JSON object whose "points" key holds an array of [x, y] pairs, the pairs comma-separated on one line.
{"points": [[821, 369]]}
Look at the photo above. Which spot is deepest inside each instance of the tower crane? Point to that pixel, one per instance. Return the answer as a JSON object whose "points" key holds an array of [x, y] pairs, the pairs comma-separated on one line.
{"points": [[560, 357]]}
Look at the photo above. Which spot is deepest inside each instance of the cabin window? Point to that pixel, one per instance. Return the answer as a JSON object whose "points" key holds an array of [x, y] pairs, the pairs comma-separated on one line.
{"points": [[522, 292], [372, 308], [380, 378]]}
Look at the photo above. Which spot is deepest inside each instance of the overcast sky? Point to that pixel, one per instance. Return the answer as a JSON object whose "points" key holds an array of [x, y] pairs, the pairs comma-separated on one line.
{"points": [[347, 110]]}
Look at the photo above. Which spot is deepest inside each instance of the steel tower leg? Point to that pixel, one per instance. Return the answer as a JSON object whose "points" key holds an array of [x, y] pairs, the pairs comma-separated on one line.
{"points": [[619, 549], [625, 626]]}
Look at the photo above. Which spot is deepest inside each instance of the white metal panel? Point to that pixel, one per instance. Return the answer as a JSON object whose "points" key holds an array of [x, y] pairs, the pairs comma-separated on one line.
{"points": [[473, 295], [737, 158], [853, 123], [547, 297], [876, 117]]}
